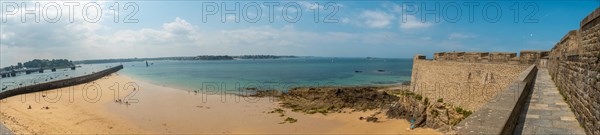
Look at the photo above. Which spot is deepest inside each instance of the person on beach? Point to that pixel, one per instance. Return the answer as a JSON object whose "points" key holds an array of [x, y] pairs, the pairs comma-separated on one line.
{"points": [[412, 124]]}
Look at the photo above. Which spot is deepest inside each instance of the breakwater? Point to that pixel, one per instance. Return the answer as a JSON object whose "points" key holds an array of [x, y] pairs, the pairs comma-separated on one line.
{"points": [[59, 83]]}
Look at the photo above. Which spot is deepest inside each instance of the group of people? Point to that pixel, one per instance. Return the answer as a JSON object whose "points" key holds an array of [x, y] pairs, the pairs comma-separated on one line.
{"points": [[121, 101], [44, 107]]}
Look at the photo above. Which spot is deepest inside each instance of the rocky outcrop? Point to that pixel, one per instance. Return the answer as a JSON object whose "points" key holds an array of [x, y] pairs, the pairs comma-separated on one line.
{"points": [[437, 114], [397, 104], [334, 99]]}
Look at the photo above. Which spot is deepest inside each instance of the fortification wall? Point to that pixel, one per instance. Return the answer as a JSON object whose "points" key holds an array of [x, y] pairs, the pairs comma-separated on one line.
{"points": [[467, 84], [500, 115], [59, 83], [574, 64], [525, 57]]}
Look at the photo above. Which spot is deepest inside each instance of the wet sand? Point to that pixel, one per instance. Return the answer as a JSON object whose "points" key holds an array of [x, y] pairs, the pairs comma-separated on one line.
{"points": [[92, 109]]}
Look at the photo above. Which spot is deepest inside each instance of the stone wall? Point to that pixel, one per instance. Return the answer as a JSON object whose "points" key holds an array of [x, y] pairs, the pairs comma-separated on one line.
{"points": [[526, 57], [500, 115], [574, 64], [467, 84], [531, 56], [59, 83], [502, 57]]}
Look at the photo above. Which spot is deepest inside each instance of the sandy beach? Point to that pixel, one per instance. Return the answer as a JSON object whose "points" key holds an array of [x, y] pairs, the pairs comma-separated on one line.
{"points": [[118, 104]]}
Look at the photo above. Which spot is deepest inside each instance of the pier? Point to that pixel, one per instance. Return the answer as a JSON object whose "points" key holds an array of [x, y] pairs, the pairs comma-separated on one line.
{"points": [[59, 83]]}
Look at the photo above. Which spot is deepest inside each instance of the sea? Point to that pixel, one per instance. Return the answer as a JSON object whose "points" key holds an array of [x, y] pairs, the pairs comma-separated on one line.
{"points": [[236, 75]]}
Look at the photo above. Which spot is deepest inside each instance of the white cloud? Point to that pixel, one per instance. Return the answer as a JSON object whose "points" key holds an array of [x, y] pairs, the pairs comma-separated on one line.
{"points": [[412, 22], [376, 19], [83, 40], [178, 26]]}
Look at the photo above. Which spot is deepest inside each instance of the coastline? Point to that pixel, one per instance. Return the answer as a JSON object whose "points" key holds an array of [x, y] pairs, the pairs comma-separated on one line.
{"points": [[177, 111]]}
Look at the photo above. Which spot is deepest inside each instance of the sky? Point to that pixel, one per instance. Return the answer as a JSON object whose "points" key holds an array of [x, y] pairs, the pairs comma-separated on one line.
{"points": [[79, 30]]}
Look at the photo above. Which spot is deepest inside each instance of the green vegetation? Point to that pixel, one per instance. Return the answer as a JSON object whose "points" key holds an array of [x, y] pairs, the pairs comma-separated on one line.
{"points": [[322, 110], [435, 113], [277, 110], [441, 100], [290, 120], [405, 93], [419, 97], [464, 112], [44, 63], [41, 63], [326, 100], [453, 122]]}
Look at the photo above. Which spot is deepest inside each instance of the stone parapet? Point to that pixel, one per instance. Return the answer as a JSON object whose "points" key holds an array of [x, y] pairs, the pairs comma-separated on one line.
{"points": [[526, 57], [500, 115]]}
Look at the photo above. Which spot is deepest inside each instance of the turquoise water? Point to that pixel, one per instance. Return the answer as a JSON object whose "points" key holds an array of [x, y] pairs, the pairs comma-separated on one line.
{"points": [[280, 74]]}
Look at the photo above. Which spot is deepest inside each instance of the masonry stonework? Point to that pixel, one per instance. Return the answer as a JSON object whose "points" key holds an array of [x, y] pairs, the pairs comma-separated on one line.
{"points": [[463, 78], [467, 84], [526, 57], [574, 64]]}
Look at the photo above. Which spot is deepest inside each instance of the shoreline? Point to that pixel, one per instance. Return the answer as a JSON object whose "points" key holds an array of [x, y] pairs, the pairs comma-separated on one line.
{"points": [[388, 85], [177, 111]]}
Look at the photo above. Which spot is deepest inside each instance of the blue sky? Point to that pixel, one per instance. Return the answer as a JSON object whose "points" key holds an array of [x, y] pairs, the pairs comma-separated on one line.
{"points": [[392, 29]]}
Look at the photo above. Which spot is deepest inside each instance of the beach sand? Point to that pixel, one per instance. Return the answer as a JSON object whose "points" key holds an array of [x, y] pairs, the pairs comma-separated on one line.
{"points": [[92, 109]]}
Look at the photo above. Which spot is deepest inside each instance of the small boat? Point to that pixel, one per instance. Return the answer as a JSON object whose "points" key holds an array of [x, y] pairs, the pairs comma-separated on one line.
{"points": [[357, 71], [380, 70]]}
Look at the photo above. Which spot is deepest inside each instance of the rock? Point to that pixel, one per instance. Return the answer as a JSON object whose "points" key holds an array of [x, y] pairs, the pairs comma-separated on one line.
{"points": [[439, 116], [266, 93], [372, 119], [334, 99]]}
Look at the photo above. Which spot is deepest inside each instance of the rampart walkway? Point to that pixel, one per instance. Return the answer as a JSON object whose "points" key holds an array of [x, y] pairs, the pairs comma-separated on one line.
{"points": [[546, 112], [4, 130]]}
